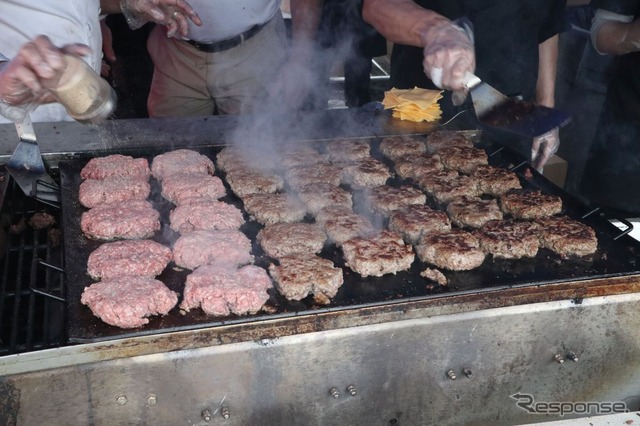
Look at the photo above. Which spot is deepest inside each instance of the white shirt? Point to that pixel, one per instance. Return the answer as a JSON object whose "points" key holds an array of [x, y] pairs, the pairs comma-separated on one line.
{"points": [[223, 19], [63, 21]]}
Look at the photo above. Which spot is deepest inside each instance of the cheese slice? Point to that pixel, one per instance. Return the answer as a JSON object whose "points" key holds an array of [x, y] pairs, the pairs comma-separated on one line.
{"points": [[413, 104]]}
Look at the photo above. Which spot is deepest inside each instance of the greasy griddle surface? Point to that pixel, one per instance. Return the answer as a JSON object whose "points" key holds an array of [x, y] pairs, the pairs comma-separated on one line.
{"points": [[614, 257]]}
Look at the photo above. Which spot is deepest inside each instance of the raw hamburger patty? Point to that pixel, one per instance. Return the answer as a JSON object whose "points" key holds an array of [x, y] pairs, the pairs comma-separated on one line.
{"points": [[115, 165], [464, 159], [94, 192], [132, 219], [473, 212], [342, 224], [221, 290], [180, 161], [444, 186], [365, 173], [494, 180], [245, 158], [567, 237], [413, 221], [341, 150], [299, 275], [523, 204], [274, 208], [313, 173], [281, 239], [179, 187], [455, 250], [510, 239], [145, 258], [446, 138], [127, 302], [317, 196], [385, 253], [394, 147], [205, 214], [207, 247], [244, 182], [385, 199], [417, 166]]}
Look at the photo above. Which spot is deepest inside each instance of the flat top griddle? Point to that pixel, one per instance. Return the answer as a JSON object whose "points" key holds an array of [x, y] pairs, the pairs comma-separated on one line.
{"points": [[616, 256]]}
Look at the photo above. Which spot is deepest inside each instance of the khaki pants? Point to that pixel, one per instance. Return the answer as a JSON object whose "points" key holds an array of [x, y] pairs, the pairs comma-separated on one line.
{"points": [[188, 82]]}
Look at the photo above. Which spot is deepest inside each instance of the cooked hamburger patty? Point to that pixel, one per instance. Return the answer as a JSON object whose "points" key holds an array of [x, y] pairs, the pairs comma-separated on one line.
{"points": [[301, 155], [205, 214], [313, 173], [523, 204], [446, 138], [220, 290], [116, 165], [567, 237], [94, 192], [128, 258], [274, 208], [417, 166], [464, 159], [131, 219], [126, 302], [341, 150], [365, 173], [384, 253], [180, 161], [179, 187], [342, 224], [244, 182], [394, 147], [455, 250], [435, 275], [446, 185], [235, 158], [301, 274], [281, 239], [413, 221], [494, 180], [207, 247], [510, 239], [473, 212], [385, 199], [317, 196]]}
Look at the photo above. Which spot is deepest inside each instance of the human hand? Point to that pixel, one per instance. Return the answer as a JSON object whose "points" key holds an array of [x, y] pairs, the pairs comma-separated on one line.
{"points": [[543, 147], [174, 14], [108, 54]]}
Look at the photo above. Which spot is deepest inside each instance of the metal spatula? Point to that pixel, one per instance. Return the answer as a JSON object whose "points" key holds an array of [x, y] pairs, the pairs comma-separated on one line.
{"points": [[26, 165]]}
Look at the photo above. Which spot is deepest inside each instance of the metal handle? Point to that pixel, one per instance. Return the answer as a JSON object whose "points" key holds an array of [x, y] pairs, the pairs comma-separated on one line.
{"points": [[25, 129], [470, 80]]}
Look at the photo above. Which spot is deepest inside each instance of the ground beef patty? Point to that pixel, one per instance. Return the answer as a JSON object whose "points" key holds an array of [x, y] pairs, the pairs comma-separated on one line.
{"points": [[207, 247], [365, 173], [495, 180], [301, 155], [320, 195], [94, 192], [417, 166], [385, 199], [126, 302], [413, 221], [341, 150], [384, 253], [464, 159], [446, 138], [178, 187], [131, 219], [144, 258], [455, 250], [274, 208], [342, 224], [221, 290], [244, 182], [205, 214], [301, 274], [245, 158], [473, 212], [116, 165], [314, 173], [524, 204], [180, 161], [281, 239], [567, 237], [510, 239], [394, 147], [446, 185]]}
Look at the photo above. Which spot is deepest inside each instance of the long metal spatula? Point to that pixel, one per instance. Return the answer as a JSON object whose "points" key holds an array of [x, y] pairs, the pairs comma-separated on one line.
{"points": [[524, 118], [27, 168]]}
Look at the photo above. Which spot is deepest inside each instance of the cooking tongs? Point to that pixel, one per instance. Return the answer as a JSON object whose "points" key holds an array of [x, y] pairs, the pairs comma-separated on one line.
{"points": [[27, 168]]}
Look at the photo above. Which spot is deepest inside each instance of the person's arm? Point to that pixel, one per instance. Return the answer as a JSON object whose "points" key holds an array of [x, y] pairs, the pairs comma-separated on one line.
{"points": [[547, 68], [615, 37], [305, 18]]}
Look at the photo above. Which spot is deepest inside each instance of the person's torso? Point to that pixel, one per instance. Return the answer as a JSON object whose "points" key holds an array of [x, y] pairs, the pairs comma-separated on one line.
{"points": [[223, 19]]}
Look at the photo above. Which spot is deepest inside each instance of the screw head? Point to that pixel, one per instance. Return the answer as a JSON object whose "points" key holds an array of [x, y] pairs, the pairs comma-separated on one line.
{"points": [[224, 412], [206, 415], [452, 375], [151, 399], [334, 393], [121, 400], [351, 389], [467, 372]]}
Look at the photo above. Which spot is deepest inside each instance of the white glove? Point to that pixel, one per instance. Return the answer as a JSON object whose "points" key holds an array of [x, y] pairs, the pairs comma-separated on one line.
{"points": [[171, 13], [543, 147]]}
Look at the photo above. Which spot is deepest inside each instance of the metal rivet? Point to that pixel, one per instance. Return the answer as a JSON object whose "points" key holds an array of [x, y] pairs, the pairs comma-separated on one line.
{"points": [[206, 415], [451, 374], [334, 393], [224, 412], [121, 400], [558, 358], [351, 389], [151, 399], [467, 372], [572, 356]]}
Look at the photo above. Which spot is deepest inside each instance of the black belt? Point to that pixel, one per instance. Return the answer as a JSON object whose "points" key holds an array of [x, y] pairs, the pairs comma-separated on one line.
{"points": [[222, 45]]}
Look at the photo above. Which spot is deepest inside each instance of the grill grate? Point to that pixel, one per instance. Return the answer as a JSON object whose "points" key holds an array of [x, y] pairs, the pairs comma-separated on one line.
{"points": [[32, 312]]}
